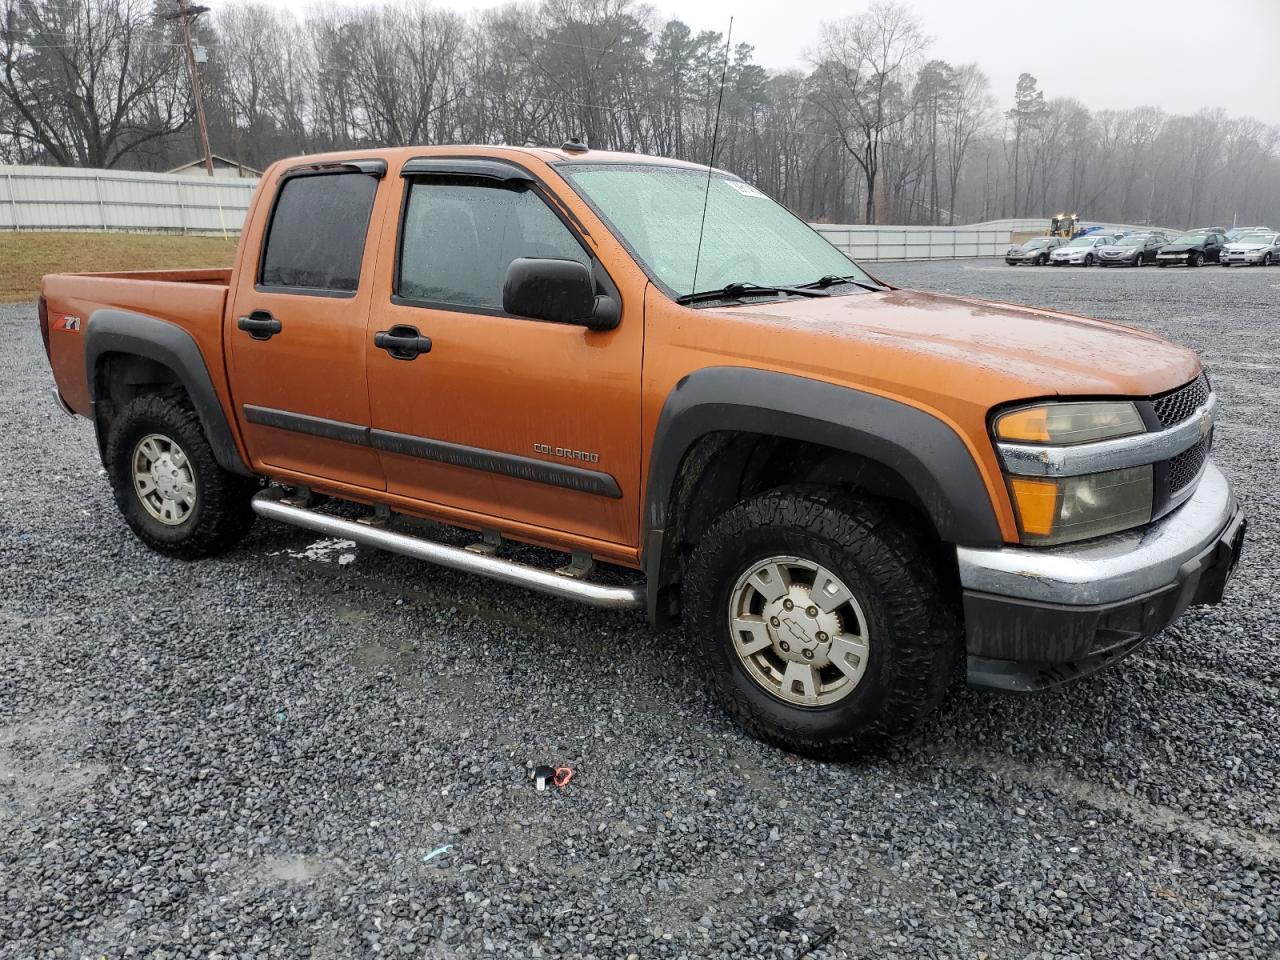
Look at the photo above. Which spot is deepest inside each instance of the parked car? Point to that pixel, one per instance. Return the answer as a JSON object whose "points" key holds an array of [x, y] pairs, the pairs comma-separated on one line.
{"points": [[1082, 251], [1236, 232], [1262, 249], [1193, 249], [1035, 251], [1132, 251], [848, 492]]}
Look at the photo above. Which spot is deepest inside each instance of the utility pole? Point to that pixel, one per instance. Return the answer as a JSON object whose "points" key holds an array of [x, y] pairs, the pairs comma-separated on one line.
{"points": [[187, 13]]}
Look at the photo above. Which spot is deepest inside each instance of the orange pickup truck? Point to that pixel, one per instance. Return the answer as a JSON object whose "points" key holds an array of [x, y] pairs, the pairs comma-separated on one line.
{"points": [[847, 491]]}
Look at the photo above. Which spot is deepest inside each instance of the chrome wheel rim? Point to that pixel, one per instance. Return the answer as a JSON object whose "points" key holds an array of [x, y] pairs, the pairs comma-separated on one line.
{"points": [[163, 479], [798, 631]]}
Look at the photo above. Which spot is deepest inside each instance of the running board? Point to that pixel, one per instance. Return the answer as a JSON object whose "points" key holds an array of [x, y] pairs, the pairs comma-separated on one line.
{"points": [[273, 504]]}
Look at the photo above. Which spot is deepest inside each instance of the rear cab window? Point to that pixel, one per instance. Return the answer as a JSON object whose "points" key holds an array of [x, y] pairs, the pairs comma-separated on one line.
{"points": [[316, 235]]}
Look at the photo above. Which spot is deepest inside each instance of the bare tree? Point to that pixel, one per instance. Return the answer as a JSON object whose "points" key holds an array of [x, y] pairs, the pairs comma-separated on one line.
{"points": [[89, 81], [861, 73], [966, 113]]}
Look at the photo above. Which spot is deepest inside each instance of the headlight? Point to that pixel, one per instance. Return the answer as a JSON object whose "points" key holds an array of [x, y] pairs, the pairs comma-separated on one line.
{"points": [[1067, 423], [1075, 508], [1054, 510]]}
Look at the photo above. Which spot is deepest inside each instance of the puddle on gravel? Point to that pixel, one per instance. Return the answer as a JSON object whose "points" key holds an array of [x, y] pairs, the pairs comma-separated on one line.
{"points": [[295, 868], [331, 550], [40, 763]]}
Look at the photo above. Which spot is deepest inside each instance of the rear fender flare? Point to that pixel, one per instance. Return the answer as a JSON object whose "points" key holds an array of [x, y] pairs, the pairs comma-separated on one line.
{"points": [[121, 331]]}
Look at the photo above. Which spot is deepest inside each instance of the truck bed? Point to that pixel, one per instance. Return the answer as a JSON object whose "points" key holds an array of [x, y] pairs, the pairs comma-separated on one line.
{"points": [[193, 299]]}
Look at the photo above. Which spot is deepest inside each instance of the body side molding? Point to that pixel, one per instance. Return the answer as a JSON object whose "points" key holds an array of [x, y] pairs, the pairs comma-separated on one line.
{"points": [[122, 331], [440, 451]]}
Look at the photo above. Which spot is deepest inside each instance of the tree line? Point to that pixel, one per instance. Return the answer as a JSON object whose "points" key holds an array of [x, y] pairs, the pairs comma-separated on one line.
{"points": [[872, 130]]}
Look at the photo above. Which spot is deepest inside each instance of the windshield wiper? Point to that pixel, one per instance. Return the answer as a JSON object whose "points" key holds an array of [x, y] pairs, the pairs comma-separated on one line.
{"points": [[830, 281], [736, 291]]}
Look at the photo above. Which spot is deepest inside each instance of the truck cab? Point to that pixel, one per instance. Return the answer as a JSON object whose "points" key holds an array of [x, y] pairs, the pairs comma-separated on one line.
{"points": [[839, 488]]}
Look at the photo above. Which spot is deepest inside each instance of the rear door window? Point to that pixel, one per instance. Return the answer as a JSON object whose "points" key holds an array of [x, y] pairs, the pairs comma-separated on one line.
{"points": [[316, 237]]}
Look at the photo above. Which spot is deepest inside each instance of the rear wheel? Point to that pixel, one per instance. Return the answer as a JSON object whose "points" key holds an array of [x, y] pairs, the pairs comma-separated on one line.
{"points": [[822, 622], [167, 483]]}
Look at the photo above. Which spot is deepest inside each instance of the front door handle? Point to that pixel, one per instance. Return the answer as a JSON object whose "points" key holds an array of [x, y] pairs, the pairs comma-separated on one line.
{"points": [[402, 342], [260, 325]]}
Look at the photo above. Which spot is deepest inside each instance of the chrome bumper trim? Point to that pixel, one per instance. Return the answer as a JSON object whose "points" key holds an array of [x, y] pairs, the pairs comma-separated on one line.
{"points": [[1027, 460], [1116, 567]]}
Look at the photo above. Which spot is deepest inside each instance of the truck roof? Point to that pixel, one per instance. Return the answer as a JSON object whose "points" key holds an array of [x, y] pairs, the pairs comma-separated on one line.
{"points": [[550, 155]]}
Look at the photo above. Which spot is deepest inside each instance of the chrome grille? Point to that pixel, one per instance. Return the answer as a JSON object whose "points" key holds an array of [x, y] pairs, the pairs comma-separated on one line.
{"points": [[1177, 405]]}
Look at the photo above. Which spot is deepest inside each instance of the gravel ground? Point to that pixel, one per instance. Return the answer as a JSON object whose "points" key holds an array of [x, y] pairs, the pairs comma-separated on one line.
{"points": [[259, 755]]}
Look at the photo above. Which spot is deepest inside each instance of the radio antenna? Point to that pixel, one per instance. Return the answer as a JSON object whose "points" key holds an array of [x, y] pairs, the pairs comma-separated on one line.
{"points": [[715, 136]]}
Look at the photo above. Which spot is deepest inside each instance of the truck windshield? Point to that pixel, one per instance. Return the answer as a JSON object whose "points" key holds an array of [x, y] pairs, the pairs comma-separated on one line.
{"points": [[657, 211]]}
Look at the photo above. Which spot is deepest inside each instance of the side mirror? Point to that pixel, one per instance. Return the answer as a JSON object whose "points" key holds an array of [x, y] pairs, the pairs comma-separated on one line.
{"points": [[560, 291]]}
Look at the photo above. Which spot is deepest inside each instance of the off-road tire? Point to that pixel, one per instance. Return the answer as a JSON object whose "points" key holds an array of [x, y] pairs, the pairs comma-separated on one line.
{"points": [[221, 515], [915, 638]]}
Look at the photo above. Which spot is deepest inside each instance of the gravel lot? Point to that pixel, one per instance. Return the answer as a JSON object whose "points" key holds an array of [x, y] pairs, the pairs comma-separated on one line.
{"points": [[257, 755]]}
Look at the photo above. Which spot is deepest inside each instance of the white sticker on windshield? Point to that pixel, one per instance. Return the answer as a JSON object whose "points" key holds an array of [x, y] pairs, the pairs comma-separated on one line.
{"points": [[746, 189]]}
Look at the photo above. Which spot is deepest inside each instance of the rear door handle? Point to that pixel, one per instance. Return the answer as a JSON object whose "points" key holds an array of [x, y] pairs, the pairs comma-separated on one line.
{"points": [[260, 325], [402, 342]]}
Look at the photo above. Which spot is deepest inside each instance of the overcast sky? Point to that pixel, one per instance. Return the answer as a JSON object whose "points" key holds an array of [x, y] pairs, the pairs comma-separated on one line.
{"points": [[1106, 53]]}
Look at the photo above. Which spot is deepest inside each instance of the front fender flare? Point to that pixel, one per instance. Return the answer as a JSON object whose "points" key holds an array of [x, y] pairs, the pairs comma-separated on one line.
{"points": [[921, 448]]}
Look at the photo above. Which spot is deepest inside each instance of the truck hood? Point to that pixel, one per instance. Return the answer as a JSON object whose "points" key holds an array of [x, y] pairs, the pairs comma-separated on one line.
{"points": [[914, 343]]}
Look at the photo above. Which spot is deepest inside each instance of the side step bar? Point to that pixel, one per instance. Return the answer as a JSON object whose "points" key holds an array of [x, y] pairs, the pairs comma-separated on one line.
{"points": [[273, 505]]}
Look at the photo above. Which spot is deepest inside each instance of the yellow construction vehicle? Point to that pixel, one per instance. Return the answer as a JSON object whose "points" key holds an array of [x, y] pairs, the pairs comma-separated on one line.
{"points": [[1063, 225]]}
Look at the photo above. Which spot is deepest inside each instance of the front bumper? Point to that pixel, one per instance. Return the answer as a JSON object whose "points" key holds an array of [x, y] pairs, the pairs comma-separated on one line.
{"points": [[1241, 258], [1039, 617]]}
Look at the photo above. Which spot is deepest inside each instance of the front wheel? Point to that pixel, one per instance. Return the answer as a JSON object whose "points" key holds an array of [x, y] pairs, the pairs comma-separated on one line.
{"points": [[1266, 259], [1195, 260], [168, 484], [821, 621], [1088, 259]]}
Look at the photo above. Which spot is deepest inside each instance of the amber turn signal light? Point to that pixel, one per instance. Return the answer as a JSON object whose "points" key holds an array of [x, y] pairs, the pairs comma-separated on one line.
{"points": [[1030, 424], [1037, 502]]}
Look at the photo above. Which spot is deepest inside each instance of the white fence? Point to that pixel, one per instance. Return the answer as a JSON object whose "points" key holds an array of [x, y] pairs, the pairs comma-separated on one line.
{"points": [[68, 198], [875, 242], [62, 198]]}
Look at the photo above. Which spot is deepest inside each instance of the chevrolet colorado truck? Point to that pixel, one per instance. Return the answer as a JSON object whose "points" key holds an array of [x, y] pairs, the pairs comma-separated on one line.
{"points": [[847, 492]]}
